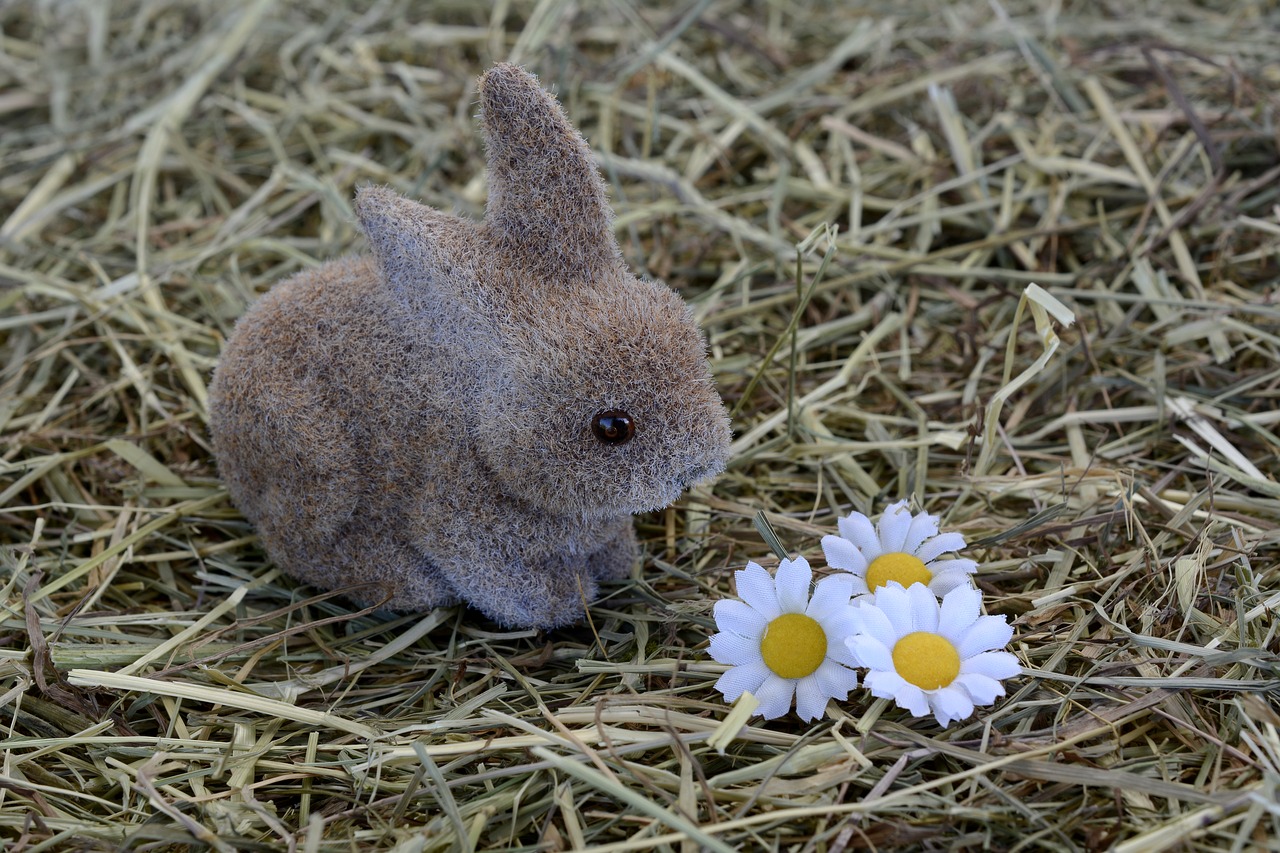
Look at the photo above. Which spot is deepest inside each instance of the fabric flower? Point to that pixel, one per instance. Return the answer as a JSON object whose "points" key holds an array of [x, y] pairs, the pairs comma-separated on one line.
{"points": [[780, 644], [931, 656], [902, 547]]}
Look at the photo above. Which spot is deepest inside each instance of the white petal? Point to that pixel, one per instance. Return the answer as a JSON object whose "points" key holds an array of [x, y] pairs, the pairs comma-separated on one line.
{"points": [[738, 617], [989, 632], [939, 545], [869, 652], [960, 564], [830, 596], [998, 665], [885, 683], [811, 699], [843, 554], [842, 654], [735, 650], [775, 696], [982, 689], [898, 506], [892, 601], [924, 608], [960, 609], [876, 623], [792, 583], [912, 698], [949, 704], [858, 530], [840, 623], [836, 680], [740, 678], [945, 582], [922, 527], [893, 527], [755, 587]]}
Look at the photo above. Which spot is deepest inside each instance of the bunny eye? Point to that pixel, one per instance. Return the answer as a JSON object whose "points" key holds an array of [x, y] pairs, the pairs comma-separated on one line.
{"points": [[613, 426]]}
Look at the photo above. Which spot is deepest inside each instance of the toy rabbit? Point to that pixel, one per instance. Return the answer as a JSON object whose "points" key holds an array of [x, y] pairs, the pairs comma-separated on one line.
{"points": [[472, 413]]}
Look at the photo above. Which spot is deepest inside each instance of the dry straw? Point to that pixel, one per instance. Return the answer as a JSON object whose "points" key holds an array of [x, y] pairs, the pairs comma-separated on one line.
{"points": [[887, 216]]}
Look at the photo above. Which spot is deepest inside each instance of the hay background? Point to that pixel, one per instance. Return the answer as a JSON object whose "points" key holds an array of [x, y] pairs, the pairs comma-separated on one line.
{"points": [[162, 163]]}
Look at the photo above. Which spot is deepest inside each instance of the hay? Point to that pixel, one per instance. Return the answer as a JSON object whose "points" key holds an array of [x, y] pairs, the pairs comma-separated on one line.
{"points": [[856, 198]]}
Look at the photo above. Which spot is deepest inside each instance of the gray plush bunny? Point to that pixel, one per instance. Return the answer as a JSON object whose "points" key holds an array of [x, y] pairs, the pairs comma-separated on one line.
{"points": [[472, 413]]}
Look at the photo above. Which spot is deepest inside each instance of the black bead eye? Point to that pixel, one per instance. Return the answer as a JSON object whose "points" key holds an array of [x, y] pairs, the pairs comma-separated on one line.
{"points": [[613, 426]]}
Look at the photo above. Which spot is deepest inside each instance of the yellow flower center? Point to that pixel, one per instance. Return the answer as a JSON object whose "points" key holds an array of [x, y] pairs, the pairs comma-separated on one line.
{"points": [[928, 661], [898, 566], [794, 645]]}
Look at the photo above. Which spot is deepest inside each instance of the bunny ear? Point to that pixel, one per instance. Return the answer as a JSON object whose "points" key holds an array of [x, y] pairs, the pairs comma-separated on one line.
{"points": [[547, 201], [412, 243]]}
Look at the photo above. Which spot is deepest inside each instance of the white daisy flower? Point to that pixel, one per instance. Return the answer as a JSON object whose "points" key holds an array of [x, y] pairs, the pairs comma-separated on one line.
{"points": [[902, 547], [780, 644], [931, 656]]}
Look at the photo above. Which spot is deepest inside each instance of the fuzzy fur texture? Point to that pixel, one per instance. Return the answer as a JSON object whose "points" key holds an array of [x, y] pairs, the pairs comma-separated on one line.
{"points": [[419, 422]]}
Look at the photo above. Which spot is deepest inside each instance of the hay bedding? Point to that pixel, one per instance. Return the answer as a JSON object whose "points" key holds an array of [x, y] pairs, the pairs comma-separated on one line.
{"points": [[856, 198]]}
